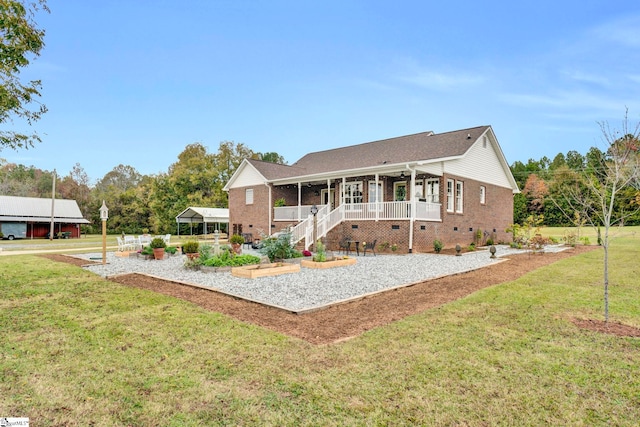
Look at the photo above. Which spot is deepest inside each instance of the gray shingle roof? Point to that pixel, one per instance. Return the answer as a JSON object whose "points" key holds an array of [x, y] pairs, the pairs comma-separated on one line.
{"points": [[418, 147], [410, 148], [275, 171]]}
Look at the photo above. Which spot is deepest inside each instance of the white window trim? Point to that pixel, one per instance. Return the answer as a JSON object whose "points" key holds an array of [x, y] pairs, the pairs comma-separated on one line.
{"points": [[248, 196], [433, 185], [459, 196], [483, 195], [451, 201], [395, 190], [351, 203]]}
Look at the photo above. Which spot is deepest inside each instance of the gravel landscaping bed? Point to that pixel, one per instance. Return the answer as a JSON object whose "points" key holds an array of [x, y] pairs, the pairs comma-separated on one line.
{"points": [[310, 288]]}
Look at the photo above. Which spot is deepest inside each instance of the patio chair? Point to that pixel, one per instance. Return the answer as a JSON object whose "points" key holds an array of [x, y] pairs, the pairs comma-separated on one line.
{"points": [[371, 246], [167, 239], [248, 239], [345, 245], [130, 243], [120, 244]]}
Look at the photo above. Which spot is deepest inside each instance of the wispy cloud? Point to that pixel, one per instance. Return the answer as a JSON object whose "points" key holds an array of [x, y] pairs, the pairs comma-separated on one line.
{"points": [[439, 80], [567, 100], [622, 31], [586, 77]]}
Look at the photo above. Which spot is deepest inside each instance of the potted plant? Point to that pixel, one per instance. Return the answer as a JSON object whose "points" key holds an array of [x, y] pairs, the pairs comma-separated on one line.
{"points": [[158, 244], [190, 248], [236, 243]]}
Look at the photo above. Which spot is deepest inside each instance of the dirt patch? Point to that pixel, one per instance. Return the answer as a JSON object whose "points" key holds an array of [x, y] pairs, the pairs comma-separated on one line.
{"points": [[612, 328], [348, 320]]}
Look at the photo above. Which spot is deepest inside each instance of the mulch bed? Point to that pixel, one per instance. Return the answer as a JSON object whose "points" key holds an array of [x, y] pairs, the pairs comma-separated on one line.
{"points": [[341, 322]]}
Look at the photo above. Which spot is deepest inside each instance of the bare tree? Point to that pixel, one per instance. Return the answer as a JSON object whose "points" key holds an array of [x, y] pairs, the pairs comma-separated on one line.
{"points": [[593, 191]]}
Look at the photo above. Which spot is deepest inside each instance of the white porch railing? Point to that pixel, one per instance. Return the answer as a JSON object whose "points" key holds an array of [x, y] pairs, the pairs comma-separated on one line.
{"points": [[425, 211], [291, 213]]}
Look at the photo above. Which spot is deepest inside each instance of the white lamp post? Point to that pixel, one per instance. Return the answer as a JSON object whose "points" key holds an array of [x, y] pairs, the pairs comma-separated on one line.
{"points": [[104, 214]]}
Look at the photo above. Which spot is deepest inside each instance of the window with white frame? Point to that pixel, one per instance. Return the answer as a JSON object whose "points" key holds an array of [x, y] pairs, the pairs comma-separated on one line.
{"points": [[483, 195], [459, 200], [450, 199], [375, 192], [433, 190], [352, 193], [248, 196], [419, 190]]}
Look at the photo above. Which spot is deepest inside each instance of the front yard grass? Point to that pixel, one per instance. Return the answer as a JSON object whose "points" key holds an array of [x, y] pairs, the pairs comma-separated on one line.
{"points": [[76, 349]]}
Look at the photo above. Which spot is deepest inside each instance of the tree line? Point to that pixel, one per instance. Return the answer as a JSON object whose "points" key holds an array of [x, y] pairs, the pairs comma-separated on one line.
{"points": [[139, 202], [545, 184]]}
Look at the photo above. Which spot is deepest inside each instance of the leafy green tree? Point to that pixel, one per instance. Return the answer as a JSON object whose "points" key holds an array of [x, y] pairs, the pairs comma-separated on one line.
{"points": [[597, 198], [272, 157], [20, 41], [558, 161], [575, 160]]}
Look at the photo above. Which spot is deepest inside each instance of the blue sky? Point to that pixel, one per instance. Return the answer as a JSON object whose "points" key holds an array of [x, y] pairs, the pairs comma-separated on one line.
{"points": [[134, 82]]}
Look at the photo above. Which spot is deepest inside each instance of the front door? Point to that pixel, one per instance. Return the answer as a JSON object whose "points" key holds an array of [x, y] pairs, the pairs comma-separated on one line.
{"points": [[327, 197]]}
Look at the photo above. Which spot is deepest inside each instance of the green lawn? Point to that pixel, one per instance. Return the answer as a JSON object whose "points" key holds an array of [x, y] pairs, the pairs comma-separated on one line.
{"points": [[78, 350]]}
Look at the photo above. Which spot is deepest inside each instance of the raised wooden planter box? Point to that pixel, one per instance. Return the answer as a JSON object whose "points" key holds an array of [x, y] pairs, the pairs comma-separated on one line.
{"points": [[263, 270], [328, 264]]}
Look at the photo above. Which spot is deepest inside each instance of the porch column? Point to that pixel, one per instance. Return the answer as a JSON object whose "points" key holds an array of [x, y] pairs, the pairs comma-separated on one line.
{"points": [[377, 198], [270, 210], [328, 195], [344, 184], [412, 213], [299, 201]]}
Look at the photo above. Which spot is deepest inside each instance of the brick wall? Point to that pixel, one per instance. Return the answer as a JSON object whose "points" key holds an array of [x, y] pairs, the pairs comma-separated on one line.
{"points": [[253, 218]]}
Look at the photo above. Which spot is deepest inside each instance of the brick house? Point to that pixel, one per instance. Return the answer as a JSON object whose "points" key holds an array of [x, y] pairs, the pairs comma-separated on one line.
{"points": [[406, 191]]}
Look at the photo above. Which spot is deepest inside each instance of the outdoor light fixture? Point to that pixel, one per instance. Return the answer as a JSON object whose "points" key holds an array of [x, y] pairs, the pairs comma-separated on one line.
{"points": [[104, 212], [104, 215], [314, 211], [402, 175]]}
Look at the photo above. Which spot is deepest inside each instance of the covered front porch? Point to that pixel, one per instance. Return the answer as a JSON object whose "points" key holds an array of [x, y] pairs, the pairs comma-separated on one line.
{"points": [[422, 210]]}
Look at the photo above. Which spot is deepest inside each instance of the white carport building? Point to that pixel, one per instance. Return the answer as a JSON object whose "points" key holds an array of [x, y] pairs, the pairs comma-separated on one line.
{"points": [[207, 216]]}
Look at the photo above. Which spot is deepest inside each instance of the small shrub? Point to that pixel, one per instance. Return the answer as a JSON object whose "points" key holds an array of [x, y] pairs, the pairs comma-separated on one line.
{"points": [[384, 246], [394, 247], [471, 247], [236, 239], [147, 250], [570, 238], [437, 246], [157, 243], [280, 202], [321, 254], [190, 247], [585, 240], [171, 250], [1, 235], [278, 248], [489, 241], [205, 252]]}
